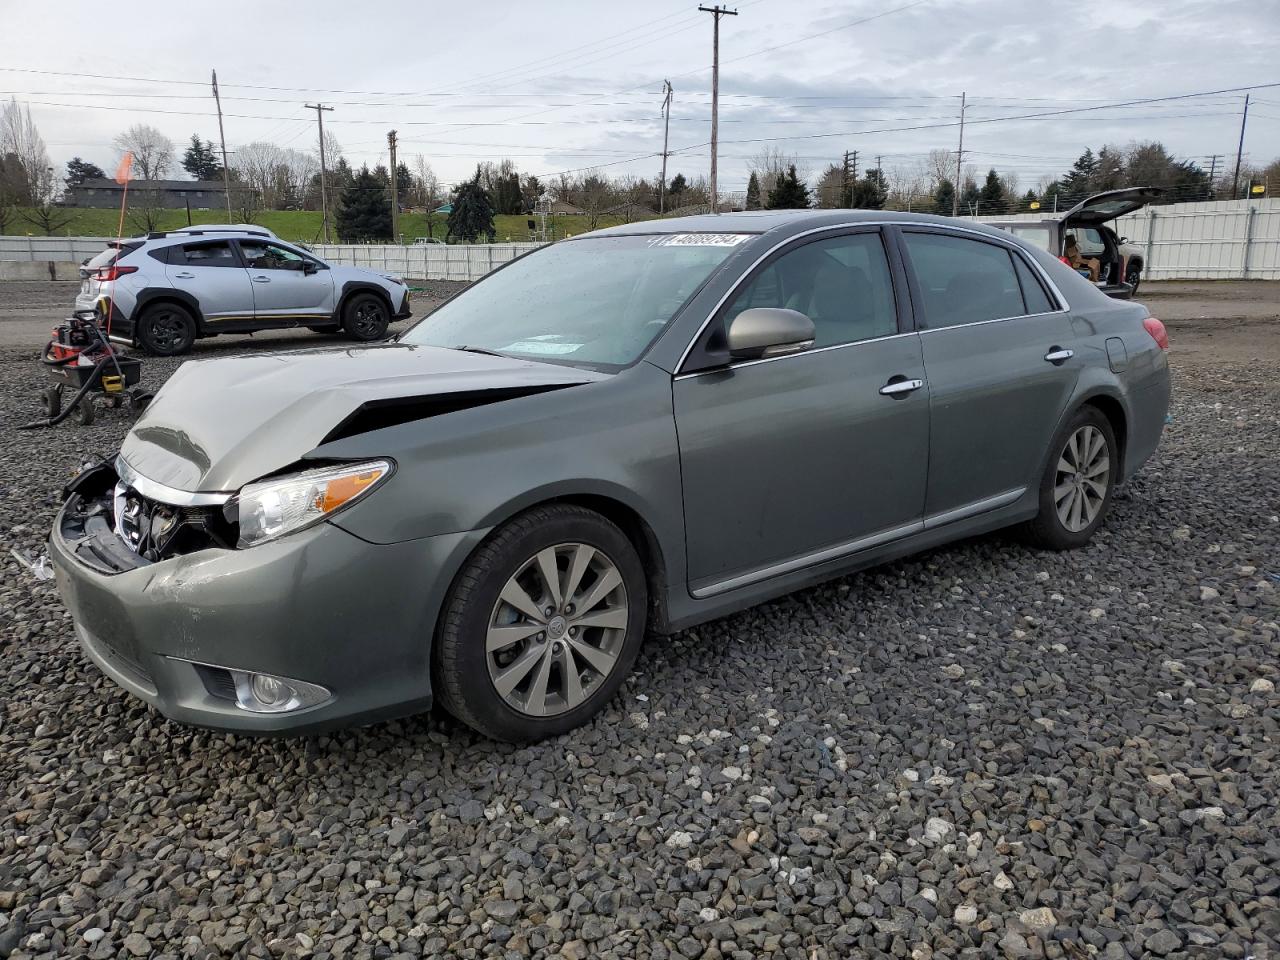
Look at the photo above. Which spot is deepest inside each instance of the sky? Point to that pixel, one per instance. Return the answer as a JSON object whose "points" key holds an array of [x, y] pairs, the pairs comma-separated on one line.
{"points": [[572, 85]]}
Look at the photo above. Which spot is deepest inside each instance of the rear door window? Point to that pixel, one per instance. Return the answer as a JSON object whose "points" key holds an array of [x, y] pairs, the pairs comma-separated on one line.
{"points": [[215, 254], [963, 281]]}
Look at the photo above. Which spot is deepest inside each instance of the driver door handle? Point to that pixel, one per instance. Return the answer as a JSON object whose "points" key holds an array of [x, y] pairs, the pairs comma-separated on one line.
{"points": [[1058, 355], [897, 388], [261, 279], [184, 276]]}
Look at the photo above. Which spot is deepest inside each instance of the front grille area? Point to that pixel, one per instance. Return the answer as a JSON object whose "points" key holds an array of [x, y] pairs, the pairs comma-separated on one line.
{"points": [[157, 531]]}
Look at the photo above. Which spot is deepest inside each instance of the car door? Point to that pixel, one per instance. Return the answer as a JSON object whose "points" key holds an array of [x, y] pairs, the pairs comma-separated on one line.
{"points": [[998, 353], [792, 460], [289, 287], [211, 272]]}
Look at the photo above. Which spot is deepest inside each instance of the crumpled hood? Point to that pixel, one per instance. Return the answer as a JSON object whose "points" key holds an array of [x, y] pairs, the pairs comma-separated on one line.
{"points": [[219, 424]]}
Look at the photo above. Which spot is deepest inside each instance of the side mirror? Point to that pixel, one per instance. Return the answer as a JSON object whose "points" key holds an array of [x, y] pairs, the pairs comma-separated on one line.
{"points": [[308, 267], [1124, 239], [769, 332]]}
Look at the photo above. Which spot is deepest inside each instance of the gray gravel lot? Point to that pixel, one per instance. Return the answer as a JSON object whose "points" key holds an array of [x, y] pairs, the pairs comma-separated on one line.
{"points": [[982, 751]]}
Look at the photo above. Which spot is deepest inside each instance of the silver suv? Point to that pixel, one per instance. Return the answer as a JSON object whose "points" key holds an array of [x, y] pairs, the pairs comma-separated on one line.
{"points": [[163, 291]]}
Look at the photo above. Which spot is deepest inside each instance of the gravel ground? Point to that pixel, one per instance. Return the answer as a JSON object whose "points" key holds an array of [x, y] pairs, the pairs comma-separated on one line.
{"points": [[983, 751]]}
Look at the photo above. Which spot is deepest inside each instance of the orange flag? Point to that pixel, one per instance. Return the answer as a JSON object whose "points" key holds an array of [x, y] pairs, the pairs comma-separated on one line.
{"points": [[124, 172]]}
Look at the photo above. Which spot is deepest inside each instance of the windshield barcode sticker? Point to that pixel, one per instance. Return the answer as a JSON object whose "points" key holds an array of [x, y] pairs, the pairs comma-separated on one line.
{"points": [[700, 240]]}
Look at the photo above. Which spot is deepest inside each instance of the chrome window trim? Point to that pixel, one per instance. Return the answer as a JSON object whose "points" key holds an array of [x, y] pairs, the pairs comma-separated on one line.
{"points": [[172, 496], [1063, 305]]}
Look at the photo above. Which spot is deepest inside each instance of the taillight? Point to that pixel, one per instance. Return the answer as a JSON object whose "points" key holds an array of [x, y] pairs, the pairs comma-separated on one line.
{"points": [[1158, 333], [113, 273]]}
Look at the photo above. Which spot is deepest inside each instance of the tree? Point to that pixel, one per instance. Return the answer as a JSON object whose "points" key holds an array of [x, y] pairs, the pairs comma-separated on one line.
{"points": [[943, 197], [675, 189], [530, 190], [152, 151], [200, 161], [753, 191], [146, 207], [472, 215], [1151, 165], [772, 162], [426, 192], [969, 198], [1077, 183], [26, 175], [829, 193], [1029, 199], [991, 197], [47, 217], [365, 211], [871, 191], [789, 192], [502, 183], [78, 171]]}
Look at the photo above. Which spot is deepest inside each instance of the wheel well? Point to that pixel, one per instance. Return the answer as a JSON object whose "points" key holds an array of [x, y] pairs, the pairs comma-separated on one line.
{"points": [[643, 539], [1111, 409], [356, 291], [162, 298]]}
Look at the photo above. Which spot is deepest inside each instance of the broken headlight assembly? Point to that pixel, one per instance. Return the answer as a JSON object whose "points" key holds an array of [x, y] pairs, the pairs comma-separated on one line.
{"points": [[269, 509]]}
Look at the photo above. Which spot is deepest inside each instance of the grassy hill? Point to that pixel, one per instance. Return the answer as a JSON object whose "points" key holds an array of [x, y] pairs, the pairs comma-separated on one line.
{"points": [[300, 226]]}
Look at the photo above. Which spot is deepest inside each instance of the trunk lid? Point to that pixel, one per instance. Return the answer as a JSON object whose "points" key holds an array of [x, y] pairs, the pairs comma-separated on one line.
{"points": [[219, 424], [1104, 207]]}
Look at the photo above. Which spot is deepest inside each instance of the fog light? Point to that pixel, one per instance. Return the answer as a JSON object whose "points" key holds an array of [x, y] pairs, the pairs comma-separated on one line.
{"points": [[264, 693]]}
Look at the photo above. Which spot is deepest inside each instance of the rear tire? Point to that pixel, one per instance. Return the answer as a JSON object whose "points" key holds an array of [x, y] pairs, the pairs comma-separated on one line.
{"points": [[166, 330], [514, 671], [1076, 489], [365, 318]]}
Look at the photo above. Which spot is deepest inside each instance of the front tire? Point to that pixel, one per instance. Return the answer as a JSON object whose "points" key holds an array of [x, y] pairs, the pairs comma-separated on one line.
{"points": [[541, 626], [166, 330], [365, 318], [1075, 491]]}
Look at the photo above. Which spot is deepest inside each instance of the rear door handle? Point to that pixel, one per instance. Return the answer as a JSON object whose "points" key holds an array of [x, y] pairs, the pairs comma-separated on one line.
{"points": [[185, 276], [1059, 356], [261, 279], [900, 388]]}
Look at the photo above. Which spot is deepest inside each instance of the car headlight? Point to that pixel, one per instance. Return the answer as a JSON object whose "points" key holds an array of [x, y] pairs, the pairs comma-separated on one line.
{"points": [[271, 508]]}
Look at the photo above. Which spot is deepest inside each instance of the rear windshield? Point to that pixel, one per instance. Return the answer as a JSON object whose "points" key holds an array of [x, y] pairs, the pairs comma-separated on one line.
{"points": [[109, 256]]}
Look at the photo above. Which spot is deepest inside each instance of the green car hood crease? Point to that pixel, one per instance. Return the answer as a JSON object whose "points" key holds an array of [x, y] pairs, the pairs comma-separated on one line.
{"points": [[219, 424]]}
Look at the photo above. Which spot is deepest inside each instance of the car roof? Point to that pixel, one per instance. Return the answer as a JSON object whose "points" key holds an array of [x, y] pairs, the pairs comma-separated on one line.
{"points": [[782, 222]]}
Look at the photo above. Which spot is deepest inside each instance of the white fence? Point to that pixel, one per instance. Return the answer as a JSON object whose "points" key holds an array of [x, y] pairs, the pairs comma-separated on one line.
{"points": [[426, 261], [1205, 240], [63, 249]]}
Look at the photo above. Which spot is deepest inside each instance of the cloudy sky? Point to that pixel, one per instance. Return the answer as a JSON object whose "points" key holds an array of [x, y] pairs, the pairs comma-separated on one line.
{"points": [[571, 85]]}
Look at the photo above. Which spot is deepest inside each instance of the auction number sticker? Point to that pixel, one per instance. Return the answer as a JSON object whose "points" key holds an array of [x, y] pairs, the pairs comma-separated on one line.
{"points": [[700, 240]]}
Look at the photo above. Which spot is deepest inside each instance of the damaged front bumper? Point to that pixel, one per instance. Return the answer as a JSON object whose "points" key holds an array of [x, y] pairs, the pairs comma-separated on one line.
{"points": [[347, 622]]}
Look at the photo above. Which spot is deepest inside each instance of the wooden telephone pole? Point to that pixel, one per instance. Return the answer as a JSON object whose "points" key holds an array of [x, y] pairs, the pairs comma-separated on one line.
{"points": [[666, 122], [320, 110], [395, 201], [955, 195], [222, 137], [717, 12]]}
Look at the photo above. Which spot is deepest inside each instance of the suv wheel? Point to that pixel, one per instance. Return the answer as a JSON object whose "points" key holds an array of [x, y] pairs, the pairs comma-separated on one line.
{"points": [[166, 329], [1134, 277], [366, 317], [542, 625], [1075, 491]]}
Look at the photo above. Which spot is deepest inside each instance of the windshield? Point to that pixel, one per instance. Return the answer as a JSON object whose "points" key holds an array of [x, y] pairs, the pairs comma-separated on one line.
{"points": [[597, 302]]}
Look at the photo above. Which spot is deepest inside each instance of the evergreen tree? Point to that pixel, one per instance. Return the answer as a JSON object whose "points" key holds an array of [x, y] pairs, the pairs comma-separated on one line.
{"points": [[943, 196], [788, 192], [753, 192], [530, 191], [78, 171], [871, 192], [404, 182], [1078, 182], [365, 211], [200, 161], [472, 215], [677, 186], [991, 198], [1029, 199], [969, 199]]}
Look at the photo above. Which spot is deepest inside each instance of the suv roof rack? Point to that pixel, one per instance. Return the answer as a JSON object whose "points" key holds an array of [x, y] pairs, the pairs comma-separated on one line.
{"points": [[199, 230]]}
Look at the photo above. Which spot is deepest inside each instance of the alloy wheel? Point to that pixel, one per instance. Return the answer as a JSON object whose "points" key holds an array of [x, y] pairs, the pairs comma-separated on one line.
{"points": [[557, 629], [368, 319], [1083, 475], [167, 330]]}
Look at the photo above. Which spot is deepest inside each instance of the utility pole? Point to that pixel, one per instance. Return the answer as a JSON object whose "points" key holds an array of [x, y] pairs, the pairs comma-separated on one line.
{"points": [[1235, 180], [716, 12], [1213, 167], [666, 122], [320, 110], [850, 176], [955, 195], [222, 137], [395, 200]]}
